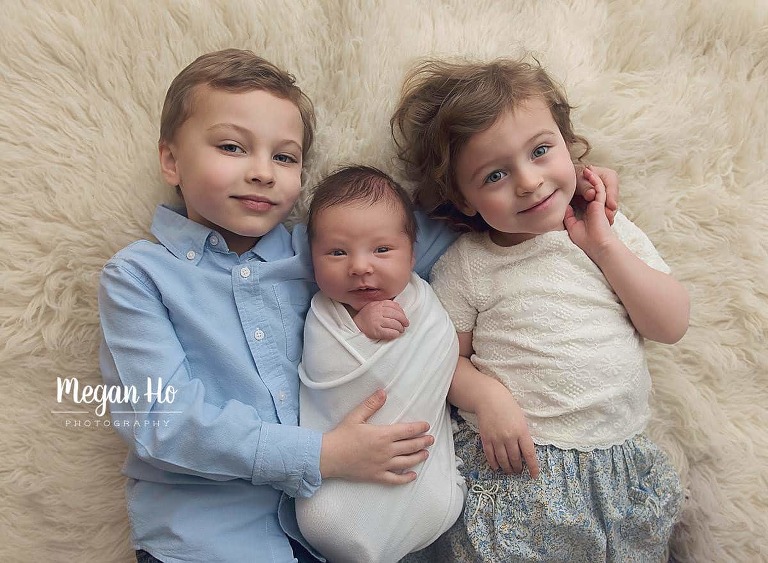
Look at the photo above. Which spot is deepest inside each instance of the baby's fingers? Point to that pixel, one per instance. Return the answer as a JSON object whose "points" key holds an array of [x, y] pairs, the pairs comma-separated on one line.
{"points": [[395, 312]]}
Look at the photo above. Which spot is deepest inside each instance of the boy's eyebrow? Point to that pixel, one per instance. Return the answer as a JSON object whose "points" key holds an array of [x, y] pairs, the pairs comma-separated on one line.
{"points": [[247, 133]]}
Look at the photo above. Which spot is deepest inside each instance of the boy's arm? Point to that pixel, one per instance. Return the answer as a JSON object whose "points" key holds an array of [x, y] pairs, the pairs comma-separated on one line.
{"points": [[657, 303], [214, 441], [503, 429]]}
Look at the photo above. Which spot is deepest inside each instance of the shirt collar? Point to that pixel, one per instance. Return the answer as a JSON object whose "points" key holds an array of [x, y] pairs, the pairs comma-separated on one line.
{"points": [[183, 237]]}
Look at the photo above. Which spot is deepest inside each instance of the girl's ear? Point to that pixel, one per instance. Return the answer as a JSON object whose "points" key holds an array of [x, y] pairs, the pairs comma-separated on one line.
{"points": [[168, 165], [465, 208]]}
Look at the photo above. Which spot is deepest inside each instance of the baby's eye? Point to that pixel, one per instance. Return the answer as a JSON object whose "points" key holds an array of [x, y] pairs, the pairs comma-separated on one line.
{"points": [[540, 151], [285, 158], [494, 177], [337, 252], [231, 147], [381, 249]]}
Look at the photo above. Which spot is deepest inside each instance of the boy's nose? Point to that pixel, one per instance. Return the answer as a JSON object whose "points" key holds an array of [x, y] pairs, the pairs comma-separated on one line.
{"points": [[261, 171]]}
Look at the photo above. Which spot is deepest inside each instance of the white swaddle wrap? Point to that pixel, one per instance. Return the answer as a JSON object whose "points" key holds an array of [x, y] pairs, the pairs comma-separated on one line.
{"points": [[367, 522]]}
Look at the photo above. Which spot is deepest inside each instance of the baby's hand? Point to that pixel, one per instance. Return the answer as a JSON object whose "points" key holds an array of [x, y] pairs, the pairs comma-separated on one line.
{"points": [[592, 233], [381, 320], [505, 436]]}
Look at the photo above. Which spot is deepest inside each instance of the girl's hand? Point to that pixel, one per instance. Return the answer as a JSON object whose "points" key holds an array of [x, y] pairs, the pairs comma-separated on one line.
{"points": [[585, 190], [592, 233], [381, 320], [504, 433]]}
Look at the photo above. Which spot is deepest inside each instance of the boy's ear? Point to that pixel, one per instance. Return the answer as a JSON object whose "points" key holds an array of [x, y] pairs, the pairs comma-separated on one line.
{"points": [[168, 164]]}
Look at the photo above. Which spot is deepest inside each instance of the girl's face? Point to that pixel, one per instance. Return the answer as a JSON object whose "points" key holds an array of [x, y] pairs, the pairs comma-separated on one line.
{"points": [[518, 174]]}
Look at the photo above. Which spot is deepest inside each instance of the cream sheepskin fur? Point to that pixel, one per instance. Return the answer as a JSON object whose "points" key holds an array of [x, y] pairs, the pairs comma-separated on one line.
{"points": [[671, 94]]}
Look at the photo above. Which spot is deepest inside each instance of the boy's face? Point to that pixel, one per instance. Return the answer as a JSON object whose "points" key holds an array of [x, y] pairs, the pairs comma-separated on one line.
{"points": [[361, 252], [237, 160], [518, 174]]}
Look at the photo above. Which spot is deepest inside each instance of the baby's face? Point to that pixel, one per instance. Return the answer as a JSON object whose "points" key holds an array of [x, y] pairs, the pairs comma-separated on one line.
{"points": [[361, 252]]}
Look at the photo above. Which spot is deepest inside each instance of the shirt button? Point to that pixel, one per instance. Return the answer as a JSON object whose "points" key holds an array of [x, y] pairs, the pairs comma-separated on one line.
{"points": [[259, 334], [214, 241], [191, 255], [281, 396], [245, 272]]}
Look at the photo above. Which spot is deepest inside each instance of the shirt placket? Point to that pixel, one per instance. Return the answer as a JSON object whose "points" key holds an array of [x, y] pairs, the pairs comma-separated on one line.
{"points": [[259, 328]]}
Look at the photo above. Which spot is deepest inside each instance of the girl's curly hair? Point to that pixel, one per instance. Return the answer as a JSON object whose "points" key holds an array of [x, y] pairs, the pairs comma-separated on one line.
{"points": [[444, 103]]}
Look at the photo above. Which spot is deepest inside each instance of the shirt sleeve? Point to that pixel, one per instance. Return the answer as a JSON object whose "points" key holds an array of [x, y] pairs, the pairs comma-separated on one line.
{"points": [[453, 286], [140, 350], [432, 240], [639, 243]]}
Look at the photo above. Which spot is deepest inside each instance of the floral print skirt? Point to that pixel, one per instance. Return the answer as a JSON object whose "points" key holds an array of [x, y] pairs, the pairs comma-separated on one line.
{"points": [[616, 505]]}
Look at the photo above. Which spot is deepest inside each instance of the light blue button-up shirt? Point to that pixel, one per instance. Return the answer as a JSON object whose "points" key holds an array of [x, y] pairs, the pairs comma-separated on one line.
{"points": [[213, 465]]}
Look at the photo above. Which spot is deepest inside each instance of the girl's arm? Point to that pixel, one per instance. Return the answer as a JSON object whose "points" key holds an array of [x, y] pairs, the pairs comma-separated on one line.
{"points": [[657, 303], [503, 429]]}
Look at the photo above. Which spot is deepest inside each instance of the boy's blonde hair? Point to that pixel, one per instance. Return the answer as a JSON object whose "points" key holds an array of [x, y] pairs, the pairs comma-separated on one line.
{"points": [[444, 103], [232, 70]]}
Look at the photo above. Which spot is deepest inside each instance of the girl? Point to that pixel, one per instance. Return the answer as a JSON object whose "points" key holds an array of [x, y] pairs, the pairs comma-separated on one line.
{"points": [[554, 304]]}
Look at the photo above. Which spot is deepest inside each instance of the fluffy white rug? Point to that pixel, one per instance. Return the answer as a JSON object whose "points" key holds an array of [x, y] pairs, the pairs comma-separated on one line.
{"points": [[672, 95]]}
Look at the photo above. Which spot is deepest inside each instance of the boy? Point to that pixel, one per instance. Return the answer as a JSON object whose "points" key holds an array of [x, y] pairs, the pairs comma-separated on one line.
{"points": [[215, 311], [362, 229]]}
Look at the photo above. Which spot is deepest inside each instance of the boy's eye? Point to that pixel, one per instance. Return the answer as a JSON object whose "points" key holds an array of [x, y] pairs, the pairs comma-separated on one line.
{"points": [[494, 177], [231, 147], [381, 249], [540, 151], [285, 158], [337, 252]]}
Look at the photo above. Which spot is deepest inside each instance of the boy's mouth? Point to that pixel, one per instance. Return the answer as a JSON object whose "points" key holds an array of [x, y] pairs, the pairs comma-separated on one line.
{"points": [[255, 203]]}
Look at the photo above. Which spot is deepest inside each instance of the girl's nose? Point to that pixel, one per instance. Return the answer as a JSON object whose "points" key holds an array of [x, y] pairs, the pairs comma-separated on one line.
{"points": [[527, 181]]}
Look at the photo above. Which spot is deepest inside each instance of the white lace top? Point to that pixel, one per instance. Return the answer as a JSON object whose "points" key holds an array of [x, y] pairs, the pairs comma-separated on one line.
{"points": [[547, 324]]}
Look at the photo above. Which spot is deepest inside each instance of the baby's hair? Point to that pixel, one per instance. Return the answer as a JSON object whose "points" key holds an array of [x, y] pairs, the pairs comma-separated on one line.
{"points": [[444, 103], [360, 184], [232, 70]]}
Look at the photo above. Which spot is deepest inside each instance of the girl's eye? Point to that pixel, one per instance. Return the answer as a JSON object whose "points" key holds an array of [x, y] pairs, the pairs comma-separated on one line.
{"points": [[285, 158], [540, 151], [336, 252], [494, 177], [231, 147], [381, 249]]}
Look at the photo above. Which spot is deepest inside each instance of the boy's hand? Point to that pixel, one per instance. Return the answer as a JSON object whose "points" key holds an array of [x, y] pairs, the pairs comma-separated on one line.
{"points": [[585, 190], [592, 233], [381, 320], [358, 451], [505, 436]]}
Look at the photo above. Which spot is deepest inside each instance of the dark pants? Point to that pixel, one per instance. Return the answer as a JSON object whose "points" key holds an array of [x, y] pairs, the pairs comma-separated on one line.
{"points": [[298, 552]]}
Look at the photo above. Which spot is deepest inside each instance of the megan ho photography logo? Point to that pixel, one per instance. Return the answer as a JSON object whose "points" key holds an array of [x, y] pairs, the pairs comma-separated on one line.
{"points": [[100, 400]]}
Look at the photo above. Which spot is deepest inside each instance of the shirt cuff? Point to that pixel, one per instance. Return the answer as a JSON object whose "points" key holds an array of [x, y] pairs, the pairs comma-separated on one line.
{"points": [[288, 458]]}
